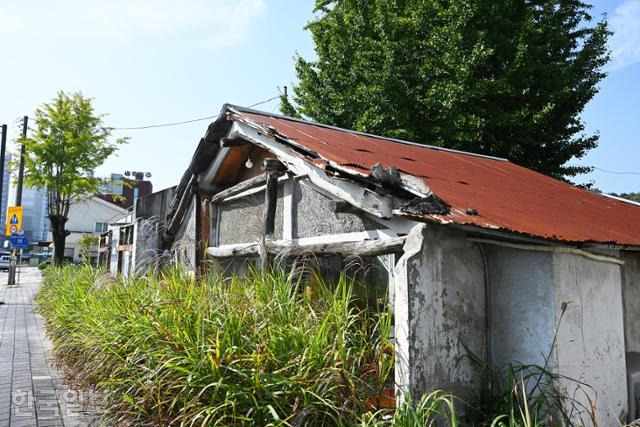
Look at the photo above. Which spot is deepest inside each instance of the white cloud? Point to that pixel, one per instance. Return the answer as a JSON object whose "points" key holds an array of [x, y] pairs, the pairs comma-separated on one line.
{"points": [[625, 42], [210, 23]]}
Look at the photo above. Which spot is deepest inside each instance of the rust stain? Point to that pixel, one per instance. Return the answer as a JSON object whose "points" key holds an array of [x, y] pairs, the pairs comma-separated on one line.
{"points": [[481, 191]]}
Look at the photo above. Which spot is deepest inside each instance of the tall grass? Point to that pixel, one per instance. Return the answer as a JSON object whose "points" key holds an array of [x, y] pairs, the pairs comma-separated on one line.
{"points": [[246, 350]]}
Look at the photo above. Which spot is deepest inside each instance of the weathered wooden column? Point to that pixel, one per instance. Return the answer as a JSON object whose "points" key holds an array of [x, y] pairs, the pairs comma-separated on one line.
{"points": [[273, 168]]}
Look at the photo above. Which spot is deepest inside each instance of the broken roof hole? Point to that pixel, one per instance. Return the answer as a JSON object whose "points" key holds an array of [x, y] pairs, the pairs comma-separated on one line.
{"points": [[409, 159], [363, 150], [463, 182]]}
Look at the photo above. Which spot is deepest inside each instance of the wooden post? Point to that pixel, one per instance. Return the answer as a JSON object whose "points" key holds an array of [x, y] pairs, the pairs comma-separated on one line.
{"points": [[347, 249], [273, 168], [270, 202]]}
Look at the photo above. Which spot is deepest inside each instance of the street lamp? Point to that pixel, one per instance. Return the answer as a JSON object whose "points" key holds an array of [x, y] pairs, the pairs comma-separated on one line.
{"points": [[139, 176]]}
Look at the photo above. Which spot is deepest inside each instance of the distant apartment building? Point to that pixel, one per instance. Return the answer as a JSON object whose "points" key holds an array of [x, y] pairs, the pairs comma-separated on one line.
{"points": [[125, 190], [4, 203], [35, 219]]}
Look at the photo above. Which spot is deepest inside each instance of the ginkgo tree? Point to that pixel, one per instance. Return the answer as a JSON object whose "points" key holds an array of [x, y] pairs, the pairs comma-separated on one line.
{"points": [[508, 78], [69, 142]]}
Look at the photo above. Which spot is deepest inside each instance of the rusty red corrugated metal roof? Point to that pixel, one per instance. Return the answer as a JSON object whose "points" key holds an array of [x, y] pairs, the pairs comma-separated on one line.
{"points": [[506, 196]]}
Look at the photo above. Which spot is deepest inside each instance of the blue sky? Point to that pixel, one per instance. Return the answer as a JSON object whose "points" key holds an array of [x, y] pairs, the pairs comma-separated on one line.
{"points": [[157, 61]]}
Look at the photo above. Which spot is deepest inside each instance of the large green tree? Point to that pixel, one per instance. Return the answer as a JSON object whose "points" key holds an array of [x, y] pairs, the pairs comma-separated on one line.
{"points": [[500, 77], [68, 144]]}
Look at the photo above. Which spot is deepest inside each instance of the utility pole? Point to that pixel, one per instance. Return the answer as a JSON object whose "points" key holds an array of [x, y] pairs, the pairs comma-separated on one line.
{"points": [[3, 149], [25, 121], [12, 265]]}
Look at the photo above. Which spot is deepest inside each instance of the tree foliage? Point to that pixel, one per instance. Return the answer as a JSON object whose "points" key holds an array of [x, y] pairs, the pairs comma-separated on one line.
{"points": [[634, 197], [500, 77], [88, 242], [70, 141]]}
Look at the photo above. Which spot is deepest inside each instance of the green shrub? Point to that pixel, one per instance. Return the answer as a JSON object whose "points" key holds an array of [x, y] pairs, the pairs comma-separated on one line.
{"points": [[44, 264]]}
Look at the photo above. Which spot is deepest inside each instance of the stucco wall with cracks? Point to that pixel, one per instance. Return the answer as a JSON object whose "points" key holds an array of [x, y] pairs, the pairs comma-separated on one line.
{"points": [[148, 245], [314, 214], [439, 308], [440, 303], [184, 244], [522, 305], [242, 219], [631, 298], [590, 342]]}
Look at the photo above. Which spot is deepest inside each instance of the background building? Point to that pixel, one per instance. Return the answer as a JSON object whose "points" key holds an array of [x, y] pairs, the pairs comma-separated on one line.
{"points": [[35, 218], [90, 216], [4, 203], [124, 190], [117, 197]]}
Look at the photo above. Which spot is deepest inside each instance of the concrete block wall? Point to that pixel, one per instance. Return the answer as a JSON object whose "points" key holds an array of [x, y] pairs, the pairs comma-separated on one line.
{"points": [[312, 215], [241, 220]]}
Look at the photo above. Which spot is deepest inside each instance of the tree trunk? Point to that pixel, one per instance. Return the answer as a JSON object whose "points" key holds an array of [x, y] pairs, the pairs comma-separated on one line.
{"points": [[59, 237]]}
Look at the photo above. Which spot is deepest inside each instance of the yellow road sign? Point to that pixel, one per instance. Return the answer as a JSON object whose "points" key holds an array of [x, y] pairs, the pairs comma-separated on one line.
{"points": [[14, 220]]}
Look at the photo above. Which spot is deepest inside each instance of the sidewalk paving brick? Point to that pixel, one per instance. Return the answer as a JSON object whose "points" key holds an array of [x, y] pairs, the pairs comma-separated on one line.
{"points": [[32, 390]]}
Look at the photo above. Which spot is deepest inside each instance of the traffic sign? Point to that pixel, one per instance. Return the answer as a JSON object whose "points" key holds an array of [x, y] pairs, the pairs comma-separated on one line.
{"points": [[19, 241], [14, 220]]}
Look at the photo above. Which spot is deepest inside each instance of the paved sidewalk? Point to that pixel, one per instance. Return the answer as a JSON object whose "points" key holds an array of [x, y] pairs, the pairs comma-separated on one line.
{"points": [[31, 389]]}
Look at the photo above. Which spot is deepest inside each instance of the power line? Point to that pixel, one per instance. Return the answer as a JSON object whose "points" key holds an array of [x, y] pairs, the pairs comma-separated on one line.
{"points": [[263, 102], [184, 122], [166, 124], [187, 121], [616, 172]]}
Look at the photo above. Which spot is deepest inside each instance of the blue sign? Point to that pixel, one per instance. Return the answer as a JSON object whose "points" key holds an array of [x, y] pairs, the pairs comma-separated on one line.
{"points": [[14, 219], [19, 241]]}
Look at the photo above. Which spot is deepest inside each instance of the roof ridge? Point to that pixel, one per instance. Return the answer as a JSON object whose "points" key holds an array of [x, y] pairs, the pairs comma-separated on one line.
{"points": [[241, 109], [618, 198]]}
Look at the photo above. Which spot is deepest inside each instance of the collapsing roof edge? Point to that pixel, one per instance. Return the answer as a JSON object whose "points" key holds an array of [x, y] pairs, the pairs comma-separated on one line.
{"points": [[464, 188]]}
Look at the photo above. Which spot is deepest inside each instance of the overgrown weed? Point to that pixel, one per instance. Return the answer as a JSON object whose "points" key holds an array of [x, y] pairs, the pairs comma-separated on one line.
{"points": [[257, 350]]}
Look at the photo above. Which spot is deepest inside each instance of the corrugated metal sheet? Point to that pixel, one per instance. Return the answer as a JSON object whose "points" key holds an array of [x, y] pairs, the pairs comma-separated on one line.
{"points": [[505, 196]]}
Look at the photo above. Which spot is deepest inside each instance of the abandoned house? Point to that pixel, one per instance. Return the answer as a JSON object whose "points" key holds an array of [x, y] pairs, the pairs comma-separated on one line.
{"points": [[476, 253]]}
